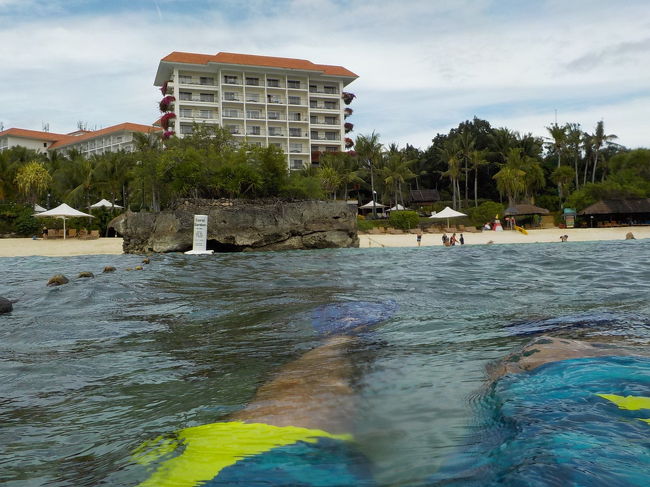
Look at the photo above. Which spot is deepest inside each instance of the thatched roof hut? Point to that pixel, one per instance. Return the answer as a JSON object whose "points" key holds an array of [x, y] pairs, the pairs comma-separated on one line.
{"points": [[618, 207], [525, 209], [423, 196]]}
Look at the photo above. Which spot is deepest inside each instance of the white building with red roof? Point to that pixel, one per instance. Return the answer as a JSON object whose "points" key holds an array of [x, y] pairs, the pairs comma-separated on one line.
{"points": [[87, 142], [293, 104]]}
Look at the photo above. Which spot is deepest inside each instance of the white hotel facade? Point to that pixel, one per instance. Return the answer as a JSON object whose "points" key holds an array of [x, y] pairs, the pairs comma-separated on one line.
{"points": [[293, 104]]}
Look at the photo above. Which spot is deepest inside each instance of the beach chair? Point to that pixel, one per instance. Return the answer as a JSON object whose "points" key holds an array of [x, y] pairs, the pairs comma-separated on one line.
{"points": [[52, 233], [83, 233], [72, 233], [94, 234]]}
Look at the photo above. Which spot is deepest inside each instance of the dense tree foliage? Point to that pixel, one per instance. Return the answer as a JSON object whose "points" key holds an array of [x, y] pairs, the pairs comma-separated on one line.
{"points": [[473, 166]]}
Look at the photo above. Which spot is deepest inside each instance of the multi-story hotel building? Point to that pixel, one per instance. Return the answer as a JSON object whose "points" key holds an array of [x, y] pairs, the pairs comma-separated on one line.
{"points": [[88, 142], [293, 104]]}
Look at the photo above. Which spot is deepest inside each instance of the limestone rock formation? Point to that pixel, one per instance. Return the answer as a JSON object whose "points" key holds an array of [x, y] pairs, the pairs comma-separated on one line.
{"points": [[85, 274], [58, 280], [239, 225]]}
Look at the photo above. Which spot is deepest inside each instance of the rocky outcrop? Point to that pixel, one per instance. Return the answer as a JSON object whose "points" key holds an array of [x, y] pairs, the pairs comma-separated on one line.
{"points": [[5, 305], [239, 225]]}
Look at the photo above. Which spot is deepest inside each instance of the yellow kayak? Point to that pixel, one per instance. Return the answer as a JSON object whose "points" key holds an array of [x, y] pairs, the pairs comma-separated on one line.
{"points": [[521, 230]]}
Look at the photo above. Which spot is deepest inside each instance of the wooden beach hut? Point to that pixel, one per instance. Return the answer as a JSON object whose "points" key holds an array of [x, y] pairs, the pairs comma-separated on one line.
{"points": [[616, 213], [528, 213]]}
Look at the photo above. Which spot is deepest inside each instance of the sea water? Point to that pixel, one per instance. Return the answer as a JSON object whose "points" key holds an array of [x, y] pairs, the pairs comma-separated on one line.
{"points": [[92, 369]]}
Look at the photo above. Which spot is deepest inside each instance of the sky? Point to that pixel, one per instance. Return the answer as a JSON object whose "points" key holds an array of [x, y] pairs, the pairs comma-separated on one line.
{"points": [[424, 66]]}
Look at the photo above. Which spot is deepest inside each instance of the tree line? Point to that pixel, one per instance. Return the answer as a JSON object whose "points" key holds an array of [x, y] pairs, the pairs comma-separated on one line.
{"points": [[470, 164]]}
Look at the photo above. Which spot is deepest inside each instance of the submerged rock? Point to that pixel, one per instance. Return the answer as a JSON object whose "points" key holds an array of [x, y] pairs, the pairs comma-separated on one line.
{"points": [[86, 274], [58, 280], [109, 268], [138, 268], [5, 305], [629, 236], [239, 225], [146, 261]]}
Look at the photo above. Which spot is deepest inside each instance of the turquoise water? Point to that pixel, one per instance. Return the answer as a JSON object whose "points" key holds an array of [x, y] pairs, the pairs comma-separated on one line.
{"points": [[90, 370]]}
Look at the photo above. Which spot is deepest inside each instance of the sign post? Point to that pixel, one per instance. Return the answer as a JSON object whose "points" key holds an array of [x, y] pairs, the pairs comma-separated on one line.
{"points": [[200, 236]]}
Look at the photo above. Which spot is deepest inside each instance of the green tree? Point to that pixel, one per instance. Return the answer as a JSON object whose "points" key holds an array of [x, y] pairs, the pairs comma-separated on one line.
{"points": [[477, 160], [563, 177], [32, 180], [396, 171], [449, 154], [369, 151]]}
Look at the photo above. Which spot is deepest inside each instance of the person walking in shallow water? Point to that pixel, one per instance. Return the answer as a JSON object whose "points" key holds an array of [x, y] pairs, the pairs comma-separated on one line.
{"points": [[453, 240], [419, 236], [461, 239]]}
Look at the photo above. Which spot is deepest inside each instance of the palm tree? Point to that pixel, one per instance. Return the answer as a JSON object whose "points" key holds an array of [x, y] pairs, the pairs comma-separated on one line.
{"points": [[369, 151], [562, 176], [573, 139], [466, 144], [510, 182], [449, 154], [477, 159], [32, 179], [558, 144], [599, 139], [396, 171]]}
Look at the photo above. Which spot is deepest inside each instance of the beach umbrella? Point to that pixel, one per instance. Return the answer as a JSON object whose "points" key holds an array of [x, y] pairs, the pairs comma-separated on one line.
{"points": [[370, 205], [62, 211], [103, 203], [38, 208], [447, 213], [397, 207]]}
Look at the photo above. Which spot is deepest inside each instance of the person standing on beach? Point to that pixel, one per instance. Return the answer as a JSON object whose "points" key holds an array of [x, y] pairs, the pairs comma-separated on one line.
{"points": [[419, 236]]}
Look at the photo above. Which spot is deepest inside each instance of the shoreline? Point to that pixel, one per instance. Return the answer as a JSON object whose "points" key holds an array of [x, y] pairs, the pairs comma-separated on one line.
{"points": [[545, 235], [27, 247]]}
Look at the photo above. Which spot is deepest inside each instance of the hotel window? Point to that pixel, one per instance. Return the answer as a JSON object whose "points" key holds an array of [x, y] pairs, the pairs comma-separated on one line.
{"points": [[230, 96], [295, 116], [297, 164], [292, 83], [254, 130], [274, 115], [295, 148], [206, 80], [233, 129], [186, 129], [277, 144], [330, 135], [253, 114], [252, 81], [313, 119], [253, 97], [330, 120], [230, 79], [313, 88], [314, 135], [330, 148], [184, 79], [330, 105], [294, 100], [294, 132], [206, 113], [185, 95], [230, 112], [331, 89], [275, 131], [207, 97], [186, 113], [314, 148], [273, 99], [313, 104], [273, 83]]}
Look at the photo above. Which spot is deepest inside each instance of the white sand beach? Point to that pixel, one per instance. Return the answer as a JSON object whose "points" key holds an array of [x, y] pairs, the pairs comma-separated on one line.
{"points": [[508, 237], [21, 247]]}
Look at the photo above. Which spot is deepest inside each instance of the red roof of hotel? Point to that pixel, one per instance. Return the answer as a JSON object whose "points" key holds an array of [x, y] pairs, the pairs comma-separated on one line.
{"points": [[127, 126], [32, 134], [252, 60]]}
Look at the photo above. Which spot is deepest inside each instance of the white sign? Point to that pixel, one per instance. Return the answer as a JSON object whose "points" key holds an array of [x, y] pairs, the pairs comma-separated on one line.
{"points": [[200, 235]]}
